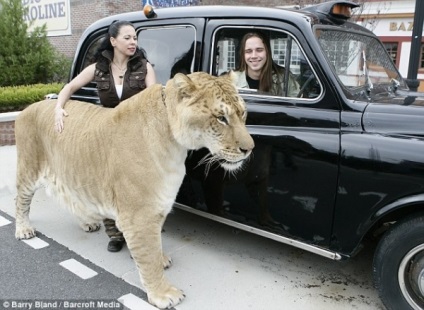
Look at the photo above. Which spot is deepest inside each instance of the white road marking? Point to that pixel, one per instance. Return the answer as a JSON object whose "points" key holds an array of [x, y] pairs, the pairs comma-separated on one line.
{"points": [[4, 221], [79, 269], [36, 243], [133, 302]]}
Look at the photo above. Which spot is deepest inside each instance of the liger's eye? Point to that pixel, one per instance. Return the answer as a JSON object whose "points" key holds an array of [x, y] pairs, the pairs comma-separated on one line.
{"points": [[222, 120]]}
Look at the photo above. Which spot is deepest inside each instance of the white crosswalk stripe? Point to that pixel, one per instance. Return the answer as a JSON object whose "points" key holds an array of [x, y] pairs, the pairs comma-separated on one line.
{"points": [[133, 302], [36, 243], [4, 221], [79, 269]]}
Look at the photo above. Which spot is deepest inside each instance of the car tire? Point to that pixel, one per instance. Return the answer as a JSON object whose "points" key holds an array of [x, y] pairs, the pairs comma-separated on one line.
{"points": [[398, 265]]}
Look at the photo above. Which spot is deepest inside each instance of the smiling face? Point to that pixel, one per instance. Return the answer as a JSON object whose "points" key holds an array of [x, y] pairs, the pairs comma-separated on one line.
{"points": [[126, 40], [254, 56]]}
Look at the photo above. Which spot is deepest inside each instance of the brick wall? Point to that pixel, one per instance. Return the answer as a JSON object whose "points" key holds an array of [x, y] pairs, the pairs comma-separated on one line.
{"points": [[7, 128], [86, 12], [7, 133]]}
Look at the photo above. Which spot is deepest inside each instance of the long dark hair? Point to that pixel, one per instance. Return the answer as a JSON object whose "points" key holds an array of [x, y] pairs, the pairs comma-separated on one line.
{"points": [[113, 32], [265, 78]]}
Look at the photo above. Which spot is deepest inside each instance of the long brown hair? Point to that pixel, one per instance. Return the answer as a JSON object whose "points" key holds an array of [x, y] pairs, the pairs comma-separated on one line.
{"points": [[265, 78]]}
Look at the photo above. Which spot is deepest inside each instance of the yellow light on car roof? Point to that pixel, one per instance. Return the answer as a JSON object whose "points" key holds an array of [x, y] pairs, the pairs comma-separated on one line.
{"points": [[149, 12]]}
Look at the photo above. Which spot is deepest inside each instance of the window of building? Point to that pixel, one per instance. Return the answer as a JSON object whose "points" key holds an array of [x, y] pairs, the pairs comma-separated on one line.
{"points": [[279, 47], [422, 57], [278, 51], [338, 53], [231, 55], [392, 50]]}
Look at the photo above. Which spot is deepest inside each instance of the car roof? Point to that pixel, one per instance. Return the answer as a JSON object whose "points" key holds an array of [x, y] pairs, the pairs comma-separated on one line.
{"points": [[206, 11], [308, 16]]}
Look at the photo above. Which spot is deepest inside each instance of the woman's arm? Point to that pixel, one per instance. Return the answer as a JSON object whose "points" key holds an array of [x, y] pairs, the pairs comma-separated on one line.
{"points": [[150, 76], [82, 79]]}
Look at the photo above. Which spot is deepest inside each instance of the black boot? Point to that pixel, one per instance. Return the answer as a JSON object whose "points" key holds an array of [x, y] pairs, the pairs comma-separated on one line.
{"points": [[115, 245], [117, 240]]}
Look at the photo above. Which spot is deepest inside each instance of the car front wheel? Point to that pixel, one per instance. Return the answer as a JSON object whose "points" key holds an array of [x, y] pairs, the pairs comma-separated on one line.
{"points": [[398, 265]]}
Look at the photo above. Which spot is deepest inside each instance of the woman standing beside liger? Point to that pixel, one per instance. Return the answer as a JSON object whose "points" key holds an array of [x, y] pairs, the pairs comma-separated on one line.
{"points": [[121, 70]]}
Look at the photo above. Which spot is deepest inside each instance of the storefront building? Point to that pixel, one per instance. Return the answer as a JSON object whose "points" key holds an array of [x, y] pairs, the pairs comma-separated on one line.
{"points": [[392, 22]]}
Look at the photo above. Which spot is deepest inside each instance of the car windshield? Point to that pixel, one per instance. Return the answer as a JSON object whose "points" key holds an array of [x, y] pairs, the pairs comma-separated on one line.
{"points": [[359, 61]]}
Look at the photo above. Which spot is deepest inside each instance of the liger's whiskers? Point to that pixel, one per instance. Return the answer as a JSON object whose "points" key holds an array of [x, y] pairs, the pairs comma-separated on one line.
{"points": [[233, 173], [208, 161]]}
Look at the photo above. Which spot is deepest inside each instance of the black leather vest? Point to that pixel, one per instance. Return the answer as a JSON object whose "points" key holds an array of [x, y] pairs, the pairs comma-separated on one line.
{"points": [[134, 79]]}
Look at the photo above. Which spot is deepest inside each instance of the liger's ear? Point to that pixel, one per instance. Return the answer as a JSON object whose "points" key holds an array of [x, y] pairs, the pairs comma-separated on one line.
{"points": [[184, 85], [233, 77]]}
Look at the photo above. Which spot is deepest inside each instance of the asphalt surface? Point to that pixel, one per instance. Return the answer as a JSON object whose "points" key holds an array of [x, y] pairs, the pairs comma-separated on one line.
{"points": [[41, 273], [217, 266]]}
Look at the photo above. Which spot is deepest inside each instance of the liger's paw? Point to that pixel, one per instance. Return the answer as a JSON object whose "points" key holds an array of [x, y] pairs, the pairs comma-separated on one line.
{"points": [[167, 298], [167, 261], [26, 232], [90, 227]]}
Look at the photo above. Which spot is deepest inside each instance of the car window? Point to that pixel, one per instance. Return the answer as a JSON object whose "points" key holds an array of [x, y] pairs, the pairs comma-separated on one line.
{"points": [[298, 80], [169, 49], [91, 51], [358, 59]]}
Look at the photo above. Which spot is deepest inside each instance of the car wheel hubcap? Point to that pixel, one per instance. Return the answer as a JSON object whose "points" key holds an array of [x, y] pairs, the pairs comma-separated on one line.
{"points": [[411, 277], [421, 282]]}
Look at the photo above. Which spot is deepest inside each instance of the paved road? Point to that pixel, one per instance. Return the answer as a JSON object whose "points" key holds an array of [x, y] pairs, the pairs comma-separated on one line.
{"points": [[41, 273], [218, 267]]}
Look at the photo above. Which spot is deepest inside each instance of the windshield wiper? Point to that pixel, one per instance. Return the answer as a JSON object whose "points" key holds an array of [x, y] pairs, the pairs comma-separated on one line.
{"points": [[368, 82]]}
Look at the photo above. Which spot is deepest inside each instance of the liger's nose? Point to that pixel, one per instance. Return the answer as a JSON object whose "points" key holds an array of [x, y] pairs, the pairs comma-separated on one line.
{"points": [[247, 149]]}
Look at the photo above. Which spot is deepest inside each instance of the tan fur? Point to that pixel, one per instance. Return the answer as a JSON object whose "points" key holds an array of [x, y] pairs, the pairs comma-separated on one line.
{"points": [[127, 163]]}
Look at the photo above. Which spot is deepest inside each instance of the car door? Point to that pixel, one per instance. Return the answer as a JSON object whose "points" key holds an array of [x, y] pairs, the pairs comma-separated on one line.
{"points": [[288, 188]]}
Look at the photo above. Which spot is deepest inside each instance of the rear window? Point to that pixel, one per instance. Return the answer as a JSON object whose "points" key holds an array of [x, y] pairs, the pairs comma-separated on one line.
{"points": [[169, 49]]}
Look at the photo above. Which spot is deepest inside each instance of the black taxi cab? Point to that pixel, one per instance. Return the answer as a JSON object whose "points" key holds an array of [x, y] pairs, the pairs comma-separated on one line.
{"points": [[336, 162]]}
